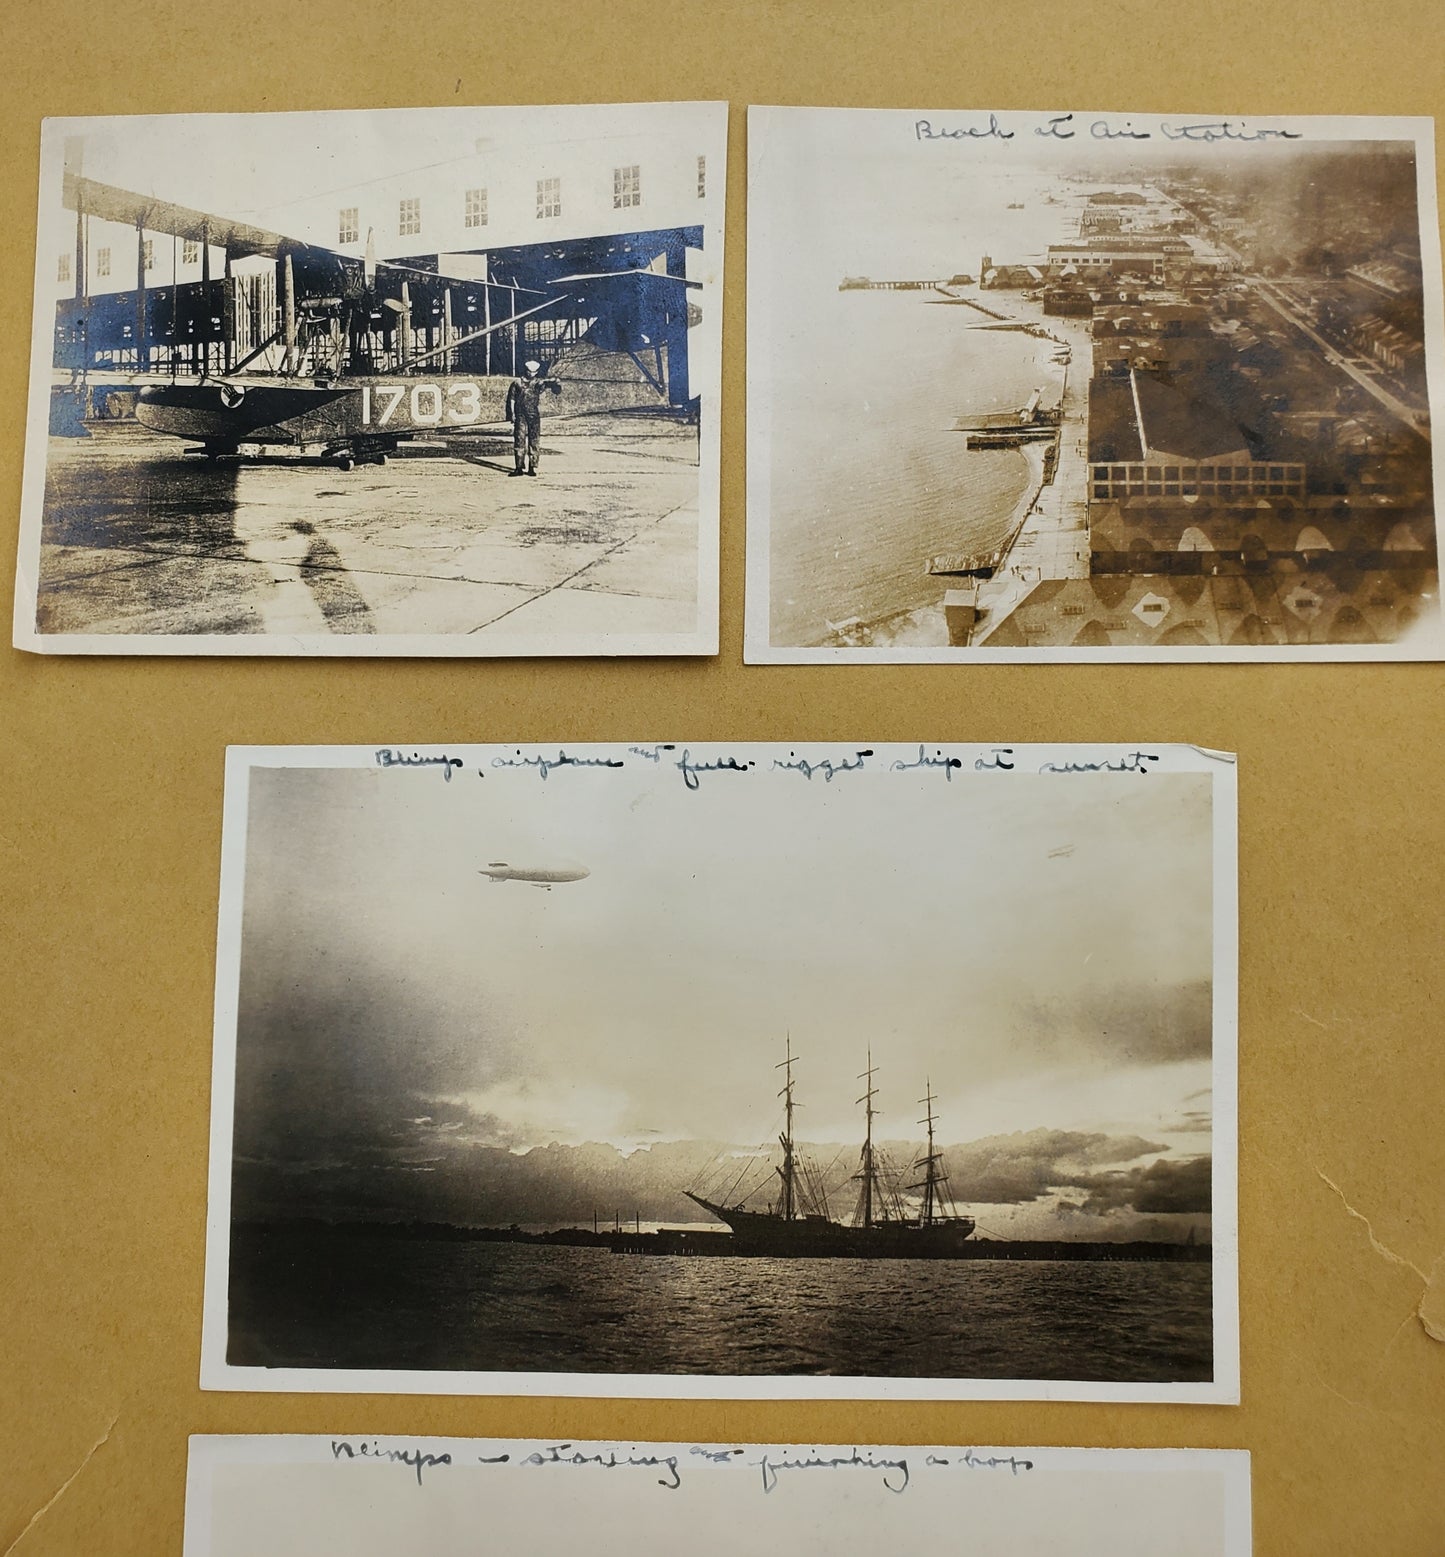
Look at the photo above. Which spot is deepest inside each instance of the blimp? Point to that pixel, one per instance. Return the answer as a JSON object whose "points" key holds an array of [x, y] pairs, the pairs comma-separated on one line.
{"points": [[544, 876]]}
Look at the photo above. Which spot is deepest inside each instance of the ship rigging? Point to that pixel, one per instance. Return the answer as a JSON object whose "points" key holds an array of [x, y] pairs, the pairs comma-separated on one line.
{"points": [[800, 1224]]}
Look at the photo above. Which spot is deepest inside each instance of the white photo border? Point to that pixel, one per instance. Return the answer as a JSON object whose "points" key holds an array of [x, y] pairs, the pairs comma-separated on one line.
{"points": [[766, 125], [650, 118], [1223, 1389]]}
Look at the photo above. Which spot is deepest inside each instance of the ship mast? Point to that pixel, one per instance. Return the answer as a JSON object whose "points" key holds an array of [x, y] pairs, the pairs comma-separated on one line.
{"points": [[930, 1161], [788, 1171], [867, 1172]]}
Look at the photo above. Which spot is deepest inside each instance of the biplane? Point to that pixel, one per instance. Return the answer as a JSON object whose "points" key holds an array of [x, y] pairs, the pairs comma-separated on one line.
{"points": [[333, 356]]}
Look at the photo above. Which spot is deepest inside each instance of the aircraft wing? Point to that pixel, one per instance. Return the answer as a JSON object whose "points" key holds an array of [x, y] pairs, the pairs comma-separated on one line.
{"points": [[240, 239], [605, 283], [113, 204]]}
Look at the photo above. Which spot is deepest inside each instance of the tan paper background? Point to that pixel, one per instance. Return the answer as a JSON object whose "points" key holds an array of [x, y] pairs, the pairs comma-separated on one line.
{"points": [[110, 793]]}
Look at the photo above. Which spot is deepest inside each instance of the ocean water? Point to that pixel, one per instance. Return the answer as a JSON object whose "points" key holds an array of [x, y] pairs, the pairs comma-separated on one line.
{"points": [[866, 477], [332, 1298]]}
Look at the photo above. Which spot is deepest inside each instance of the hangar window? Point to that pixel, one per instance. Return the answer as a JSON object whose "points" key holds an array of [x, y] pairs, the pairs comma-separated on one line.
{"points": [[63, 269], [148, 251], [549, 197], [702, 178], [190, 252], [409, 220], [348, 224], [102, 262], [626, 187], [476, 208]]}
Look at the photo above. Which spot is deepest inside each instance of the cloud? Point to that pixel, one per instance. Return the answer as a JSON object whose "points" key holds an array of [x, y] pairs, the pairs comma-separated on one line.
{"points": [[1031, 1164], [1193, 1121], [1161, 1189], [436, 1173]]}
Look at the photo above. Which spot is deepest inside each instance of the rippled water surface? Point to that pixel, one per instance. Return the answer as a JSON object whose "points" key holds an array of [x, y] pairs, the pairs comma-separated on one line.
{"points": [[336, 1299]]}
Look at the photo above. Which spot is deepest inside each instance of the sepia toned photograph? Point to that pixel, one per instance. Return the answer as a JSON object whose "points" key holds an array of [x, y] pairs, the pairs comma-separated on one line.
{"points": [[413, 381], [753, 1070], [1029, 386], [294, 1495]]}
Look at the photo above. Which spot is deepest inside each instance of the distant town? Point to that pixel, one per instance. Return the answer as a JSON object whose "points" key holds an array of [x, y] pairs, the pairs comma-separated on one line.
{"points": [[1244, 459]]}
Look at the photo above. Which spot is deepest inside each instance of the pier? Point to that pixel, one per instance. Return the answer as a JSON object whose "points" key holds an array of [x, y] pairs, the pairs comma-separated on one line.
{"points": [[867, 284], [1033, 422], [973, 302]]}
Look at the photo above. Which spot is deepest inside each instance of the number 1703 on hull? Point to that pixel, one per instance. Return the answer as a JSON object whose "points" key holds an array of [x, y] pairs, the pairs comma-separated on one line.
{"points": [[357, 419]]}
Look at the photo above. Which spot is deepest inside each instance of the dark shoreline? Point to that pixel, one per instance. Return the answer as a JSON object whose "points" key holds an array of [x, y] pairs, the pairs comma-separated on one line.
{"points": [[708, 1244]]}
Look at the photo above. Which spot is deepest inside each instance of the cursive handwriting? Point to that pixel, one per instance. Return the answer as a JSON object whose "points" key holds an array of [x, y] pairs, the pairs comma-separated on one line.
{"points": [[1135, 762], [418, 1459], [793, 763], [564, 1454], [973, 1461], [545, 765], [1102, 130], [923, 130], [387, 758], [1064, 127], [690, 768], [1224, 130], [770, 1467], [938, 760], [693, 769]]}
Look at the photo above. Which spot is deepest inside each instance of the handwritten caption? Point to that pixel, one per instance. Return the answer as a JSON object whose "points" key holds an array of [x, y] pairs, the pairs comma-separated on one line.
{"points": [[774, 1465], [694, 770], [1067, 127]]}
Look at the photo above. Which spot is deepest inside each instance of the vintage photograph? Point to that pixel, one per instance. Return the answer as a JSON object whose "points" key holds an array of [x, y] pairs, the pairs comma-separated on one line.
{"points": [[753, 1070], [413, 381], [374, 1496], [1029, 386]]}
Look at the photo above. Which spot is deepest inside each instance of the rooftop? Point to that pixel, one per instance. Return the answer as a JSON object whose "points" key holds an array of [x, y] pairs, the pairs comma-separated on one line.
{"points": [[1177, 419]]}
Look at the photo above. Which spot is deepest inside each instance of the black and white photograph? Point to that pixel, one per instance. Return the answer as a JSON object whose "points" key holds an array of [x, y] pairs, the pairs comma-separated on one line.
{"points": [[372, 1495], [1091, 386], [377, 382], [895, 1071]]}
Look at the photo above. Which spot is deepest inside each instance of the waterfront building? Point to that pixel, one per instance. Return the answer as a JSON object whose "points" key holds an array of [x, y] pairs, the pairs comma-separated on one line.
{"points": [[1152, 437], [1235, 495], [1161, 256]]}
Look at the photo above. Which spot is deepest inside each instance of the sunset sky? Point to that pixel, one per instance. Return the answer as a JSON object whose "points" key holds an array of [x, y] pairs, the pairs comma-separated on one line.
{"points": [[1037, 947]]}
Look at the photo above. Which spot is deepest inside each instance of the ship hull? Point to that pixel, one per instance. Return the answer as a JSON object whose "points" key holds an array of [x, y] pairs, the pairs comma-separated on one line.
{"points": [[288, 411], [757, 1233]]}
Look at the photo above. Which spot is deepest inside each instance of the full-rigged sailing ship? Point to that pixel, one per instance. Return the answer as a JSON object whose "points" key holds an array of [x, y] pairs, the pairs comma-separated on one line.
{"points": [[881, 1227]]}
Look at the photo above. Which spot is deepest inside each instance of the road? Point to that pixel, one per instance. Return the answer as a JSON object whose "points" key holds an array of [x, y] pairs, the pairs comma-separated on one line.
{"points": [[1279, 300]]}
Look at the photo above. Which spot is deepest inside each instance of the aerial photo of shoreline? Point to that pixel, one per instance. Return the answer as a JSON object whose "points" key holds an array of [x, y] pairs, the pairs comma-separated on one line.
{"points": [[1113, 397], [610, 1074]]}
